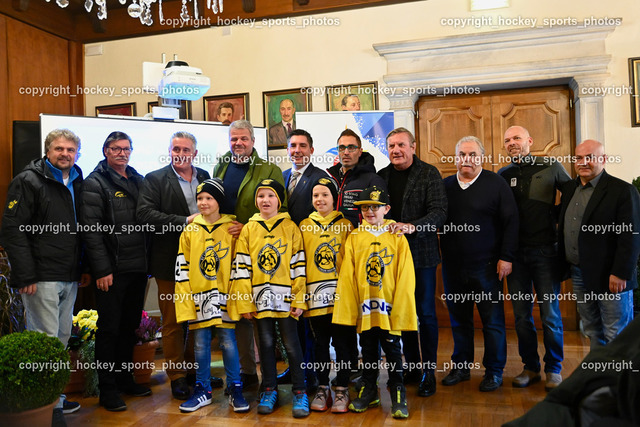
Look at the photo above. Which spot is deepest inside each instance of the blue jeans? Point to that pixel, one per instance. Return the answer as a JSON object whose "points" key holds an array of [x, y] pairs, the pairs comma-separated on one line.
{"points": [[267, 335], [50, 310], [479, 284], [202, 338], [426, 308], [537, 266], [604, 315]]}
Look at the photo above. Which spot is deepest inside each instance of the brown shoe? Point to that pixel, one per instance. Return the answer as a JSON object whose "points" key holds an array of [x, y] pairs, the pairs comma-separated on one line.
{"points": [[553, 381], [526, 378]]}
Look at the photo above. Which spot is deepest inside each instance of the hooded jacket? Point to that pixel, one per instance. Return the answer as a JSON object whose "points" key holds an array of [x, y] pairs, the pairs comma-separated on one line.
{"points": [[363, 175], [39, 226]]}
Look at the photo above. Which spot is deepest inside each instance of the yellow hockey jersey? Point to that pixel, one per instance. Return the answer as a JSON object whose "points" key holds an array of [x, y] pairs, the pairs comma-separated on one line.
{"points": [[203, 274], [376, 286], [324, 239], [269, 272]]}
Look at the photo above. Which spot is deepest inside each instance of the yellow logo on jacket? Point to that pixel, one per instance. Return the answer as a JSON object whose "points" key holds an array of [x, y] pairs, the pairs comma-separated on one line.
{"points": [[375, 267], [269, 257], [120, 194], [12, 204], [210, 260]]}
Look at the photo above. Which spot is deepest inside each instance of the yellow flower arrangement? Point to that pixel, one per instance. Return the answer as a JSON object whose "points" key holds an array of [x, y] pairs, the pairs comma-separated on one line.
{"points": [[84, 328]]}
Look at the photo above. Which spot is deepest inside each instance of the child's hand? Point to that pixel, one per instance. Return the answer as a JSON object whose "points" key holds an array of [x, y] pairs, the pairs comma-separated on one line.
{"points": [[296, 312], [235, 228], [249, 316]]}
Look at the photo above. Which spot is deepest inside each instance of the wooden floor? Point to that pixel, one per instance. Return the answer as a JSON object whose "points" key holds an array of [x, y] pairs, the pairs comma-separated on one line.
{"points": [[460, 405]]}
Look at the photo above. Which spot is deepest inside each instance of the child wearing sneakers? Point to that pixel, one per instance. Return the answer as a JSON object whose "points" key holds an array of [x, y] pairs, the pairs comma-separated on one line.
{"points": [[376, 292], [324, 233], [203, 270], [270, 284]]}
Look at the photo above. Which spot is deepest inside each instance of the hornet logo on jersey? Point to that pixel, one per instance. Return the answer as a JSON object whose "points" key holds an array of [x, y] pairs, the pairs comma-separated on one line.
{"points": [[210, 260], [325, 256], [375, 267], [269, 257]]}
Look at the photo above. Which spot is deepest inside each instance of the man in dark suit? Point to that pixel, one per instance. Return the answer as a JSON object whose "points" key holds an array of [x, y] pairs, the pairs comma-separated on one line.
{"points": [[301, 176], [419, 207], [167, 202], [279, 133], [299, 183], [599, 216]]}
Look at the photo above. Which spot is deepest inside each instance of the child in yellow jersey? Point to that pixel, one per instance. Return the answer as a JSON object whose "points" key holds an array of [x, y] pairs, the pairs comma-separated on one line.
{"points": [[270, 283], [324, 233], [203, 270], [376, 292]]}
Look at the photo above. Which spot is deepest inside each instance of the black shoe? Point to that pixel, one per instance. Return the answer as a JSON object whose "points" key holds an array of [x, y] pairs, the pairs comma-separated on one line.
{"points": [[411, 377], [367, 397], [180, 389], [427, 386], [69, 407], [490, 382], [399, 407], [285, 377], [57, 418], [216, 382], [191, 380], [134, 389], [456, 376], [112, 402], [249, 380]]}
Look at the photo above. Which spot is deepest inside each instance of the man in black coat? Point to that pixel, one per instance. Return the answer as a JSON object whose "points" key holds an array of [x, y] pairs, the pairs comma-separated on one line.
{"points": [[117, 251], [168, 203], [39, 232], [354, 173], [419, 207], [598, 236]]}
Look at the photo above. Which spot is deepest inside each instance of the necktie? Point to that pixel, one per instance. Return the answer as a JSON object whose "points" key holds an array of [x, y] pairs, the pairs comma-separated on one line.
{"points": [[292, 182], [289, 129]]}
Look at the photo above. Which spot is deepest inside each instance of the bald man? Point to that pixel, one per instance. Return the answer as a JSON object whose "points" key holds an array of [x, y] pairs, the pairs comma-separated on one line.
{"points": [[534, 182], [280, 132], [598, 235]]}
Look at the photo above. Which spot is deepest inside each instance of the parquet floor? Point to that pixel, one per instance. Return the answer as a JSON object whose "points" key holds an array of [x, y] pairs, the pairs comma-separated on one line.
{"points": [[460, 405]]}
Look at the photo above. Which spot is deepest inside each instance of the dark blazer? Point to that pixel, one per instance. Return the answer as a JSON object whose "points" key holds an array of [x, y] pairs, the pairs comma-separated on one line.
{"points": [[424, 204], [614, 204], [161, 205], [299, 204], [278, 133]]}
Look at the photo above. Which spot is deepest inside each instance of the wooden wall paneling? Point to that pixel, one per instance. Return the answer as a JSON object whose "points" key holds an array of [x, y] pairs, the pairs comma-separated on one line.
{"points": [[5, 114]]}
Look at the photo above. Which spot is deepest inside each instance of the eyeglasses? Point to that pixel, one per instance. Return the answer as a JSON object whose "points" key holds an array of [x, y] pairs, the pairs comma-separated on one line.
{"points": [[347, 148], [373, 208], [118, 150]]}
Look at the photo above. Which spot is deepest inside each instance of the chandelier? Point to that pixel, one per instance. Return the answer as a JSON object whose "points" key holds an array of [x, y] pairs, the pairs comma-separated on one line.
{"points": [[141, 9]]}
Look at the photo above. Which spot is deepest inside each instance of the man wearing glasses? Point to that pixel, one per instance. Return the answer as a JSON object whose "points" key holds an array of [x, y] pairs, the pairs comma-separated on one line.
{"points": [[117, 251], [354, 173]]}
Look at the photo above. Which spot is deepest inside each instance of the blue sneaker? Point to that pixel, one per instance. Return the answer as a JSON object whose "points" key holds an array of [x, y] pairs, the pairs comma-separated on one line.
{"points": [[69, 407], [236, 399], [268, 400], [300, 404], [198, 399]]}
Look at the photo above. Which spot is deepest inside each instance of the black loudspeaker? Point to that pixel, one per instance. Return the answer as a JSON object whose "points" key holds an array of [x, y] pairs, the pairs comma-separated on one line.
{"points": [[27, 144]]}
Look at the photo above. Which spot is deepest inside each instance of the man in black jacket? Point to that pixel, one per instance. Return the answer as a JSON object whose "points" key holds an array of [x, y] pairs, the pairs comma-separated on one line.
{"points": [[598, 236], [39, 232], [419, 207], [167, 202], [354, 173], [117, 252]]}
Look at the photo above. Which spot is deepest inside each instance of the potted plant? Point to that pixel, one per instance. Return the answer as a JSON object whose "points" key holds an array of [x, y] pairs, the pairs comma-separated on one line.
{"points": [[82, 350], [145, 349], [34, 369]]}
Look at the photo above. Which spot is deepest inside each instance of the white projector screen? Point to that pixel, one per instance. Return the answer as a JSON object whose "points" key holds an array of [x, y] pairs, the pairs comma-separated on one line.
{"points": [[150, 139]]}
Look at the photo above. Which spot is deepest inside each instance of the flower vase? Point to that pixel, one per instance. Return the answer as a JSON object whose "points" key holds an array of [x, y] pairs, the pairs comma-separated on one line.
{"points": [[76, 379], [143, 358]]}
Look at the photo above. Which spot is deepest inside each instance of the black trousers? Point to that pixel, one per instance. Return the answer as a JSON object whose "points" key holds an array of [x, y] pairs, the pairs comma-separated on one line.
{"points": [[119, 313], [343, 338], [370, 341]]}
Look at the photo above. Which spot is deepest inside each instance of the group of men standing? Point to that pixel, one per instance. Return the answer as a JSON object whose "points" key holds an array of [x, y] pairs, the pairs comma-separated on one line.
{"points": [[491, 227]]}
